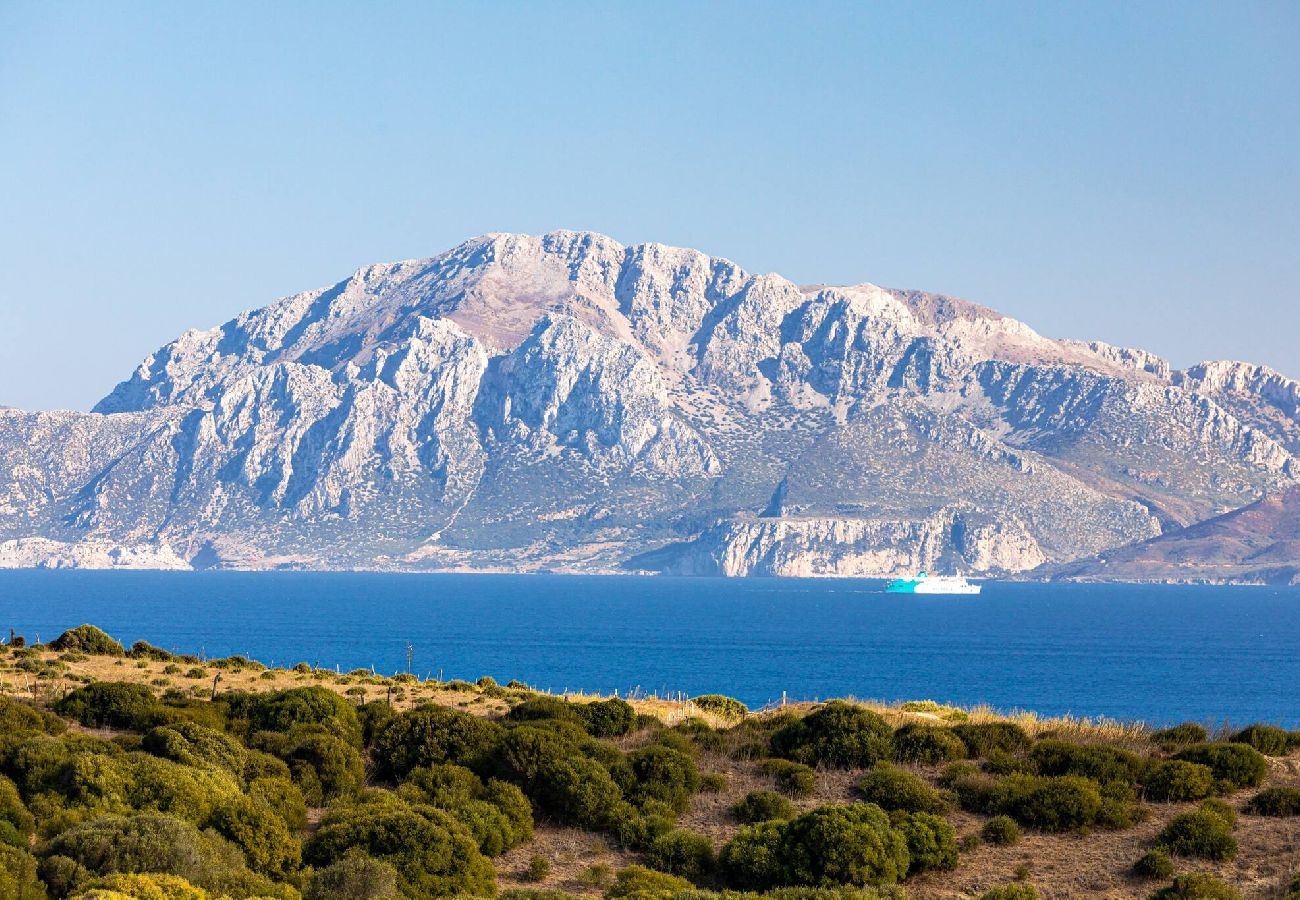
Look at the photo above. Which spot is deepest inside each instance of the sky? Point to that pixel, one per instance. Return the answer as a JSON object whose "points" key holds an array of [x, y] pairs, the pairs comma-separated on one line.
{"points": [[1115, 171]]}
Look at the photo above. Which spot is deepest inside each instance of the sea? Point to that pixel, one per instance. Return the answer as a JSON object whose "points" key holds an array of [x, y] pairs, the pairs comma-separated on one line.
{"points": [[1154, 653]]}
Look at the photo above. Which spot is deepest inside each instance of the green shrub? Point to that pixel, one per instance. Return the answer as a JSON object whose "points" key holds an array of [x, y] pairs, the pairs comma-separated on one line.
{"points": [[433, 854], [763, 806], [195, 745], [1293, 891], [16, 822], [607, 718], [543, 707], [1201, 833], [927, 744], [843, 844], [1198, 885], [636, 830], [282, 711], [1177, 780], [112, 704], [981, 737], [792, 778], [18, 718], [1001, 830], [1275, 801], [681, 852], [323, 766], [1267, 739], [578, 791], [283, 796], [1066, 803], [1101, 764], [664, 774], [354, 876], [431, 735], [87, 639], [146, 650], [539, 868], [955, 771], [640, 883], [143, 887], [497, 814], [753, 859], [713, 782], [721, 706], [1011, 892], [1235, 765], [836, 734], [931, 842], [18, 875], [260, 833], [891, 788], [1221, 808], [1154, 864], [1184, 735]]}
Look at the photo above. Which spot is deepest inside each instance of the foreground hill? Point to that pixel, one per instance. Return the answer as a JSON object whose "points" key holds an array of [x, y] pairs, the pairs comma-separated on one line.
{"points": [[143, 774], [564, 402]]}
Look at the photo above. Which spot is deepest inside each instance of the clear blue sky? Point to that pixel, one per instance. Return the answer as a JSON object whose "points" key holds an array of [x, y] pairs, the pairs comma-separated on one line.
{"points": [[1122, 171]]}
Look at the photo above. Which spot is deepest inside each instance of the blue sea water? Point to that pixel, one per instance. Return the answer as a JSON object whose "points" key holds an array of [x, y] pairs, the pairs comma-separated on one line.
{"points": [[1155, 653]]}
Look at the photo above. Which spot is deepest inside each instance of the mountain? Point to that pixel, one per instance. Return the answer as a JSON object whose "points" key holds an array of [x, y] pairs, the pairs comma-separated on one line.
{"points": [[566, 403]]}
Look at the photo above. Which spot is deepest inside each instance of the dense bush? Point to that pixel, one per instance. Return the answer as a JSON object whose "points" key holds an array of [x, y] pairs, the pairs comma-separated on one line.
{"points": [[763, 806], [931, 842], [146, 650], [1177, 780], [1066, 803], [1267, 739], [434, 855], [260, 833], [324, 766], [113, 704], [18, 718], [663, 774], [753, 859], [577, 791], [1201, 833], [982, 737], [1154, 864], [1275, 801], [843, 845], [542, 707], [891, 788], [1197, 886], [1101, 764], [1221, 808], [1178, 736], [354, 876], [721, 706], [640, 883], [195, 745], [431, 735], [927, 744], [497, 814], [1000, 830], [792, 778], [87, 639], [681, 852], [836, 734], [607, 718], [18, 875], [281, 711], [283, 796], [1011, 892], [16, 823], [1235, 765], [143, 887]]}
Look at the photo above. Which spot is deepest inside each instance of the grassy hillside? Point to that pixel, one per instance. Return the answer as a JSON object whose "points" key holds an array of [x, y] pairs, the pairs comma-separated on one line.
{"points": [[136, 773]]}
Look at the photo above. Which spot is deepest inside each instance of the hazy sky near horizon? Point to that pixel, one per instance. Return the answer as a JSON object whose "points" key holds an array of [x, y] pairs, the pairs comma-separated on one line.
{"points": [[1110, 170]]}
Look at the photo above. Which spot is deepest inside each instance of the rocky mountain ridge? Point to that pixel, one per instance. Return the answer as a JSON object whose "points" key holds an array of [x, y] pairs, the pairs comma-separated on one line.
{"points": [[562, 402]]}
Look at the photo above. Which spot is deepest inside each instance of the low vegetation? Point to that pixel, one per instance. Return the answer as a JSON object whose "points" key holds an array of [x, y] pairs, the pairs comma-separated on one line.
{"points": [[124, 775]]}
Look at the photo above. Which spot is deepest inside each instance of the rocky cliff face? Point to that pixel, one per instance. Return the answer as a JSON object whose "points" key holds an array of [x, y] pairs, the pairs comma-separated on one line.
{"points": [[564, 402]]}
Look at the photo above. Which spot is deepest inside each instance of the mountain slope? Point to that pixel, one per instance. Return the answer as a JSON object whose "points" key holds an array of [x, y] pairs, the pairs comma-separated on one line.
{"points": [[565, 402]]}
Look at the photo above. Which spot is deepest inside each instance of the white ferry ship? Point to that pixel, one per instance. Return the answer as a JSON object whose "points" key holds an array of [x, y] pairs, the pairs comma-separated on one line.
{"points": [[925, 583]]}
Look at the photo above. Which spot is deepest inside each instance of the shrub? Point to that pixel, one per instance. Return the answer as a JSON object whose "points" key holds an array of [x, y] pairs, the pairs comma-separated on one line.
{"points": [[931, 842], [763, 806], [18, 875], [543, 707], [607, 718], [794, 779], [1183, 735], [927, 744], [981, 737], [640, 883], [17, 718], [1001, 830], [752, 860], [1275, 801], [1011, 892], [283, 796], [1066, 803], [843, 844], [16, 823], [1199, 885], [1177, 780], [890, 788], [836, 734], [596, 875], [721, 706], [1201, 833], [433, 854], [539, 868], [681, 852], [1267, 739], [195, 745], [260, 833], [578, 791], [497, 814], [146, 650], [143, 887], [281, 711], [354, 876], [664, 774], [1154, 864], [1221, 808], [955, 771], [431, 735], [713, 782], [1293, 892], [87, 639], [1236, 765], [113, 704], [323, 766], [1101, 764]]}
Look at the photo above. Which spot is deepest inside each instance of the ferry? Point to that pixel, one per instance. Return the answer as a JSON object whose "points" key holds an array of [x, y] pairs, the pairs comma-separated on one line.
{"points": [[925, 583]]}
